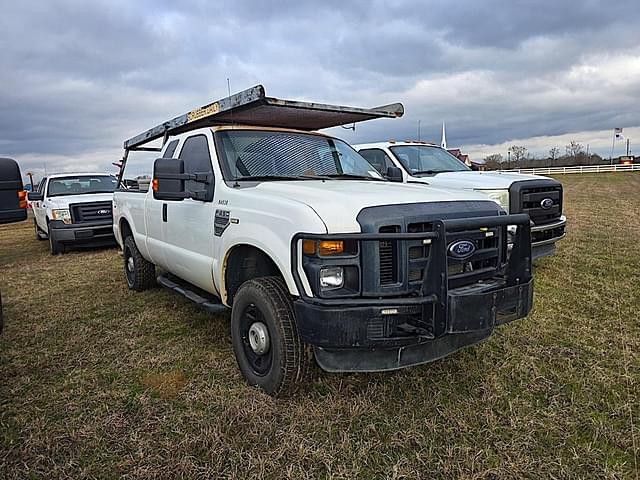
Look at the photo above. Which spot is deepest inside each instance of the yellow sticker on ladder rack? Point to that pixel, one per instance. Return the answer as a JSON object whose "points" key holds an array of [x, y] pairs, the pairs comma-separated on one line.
{"points": [[202, 112]]}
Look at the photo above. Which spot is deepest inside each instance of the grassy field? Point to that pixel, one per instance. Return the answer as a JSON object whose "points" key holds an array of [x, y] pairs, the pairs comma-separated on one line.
{"points": [[97, 381]]}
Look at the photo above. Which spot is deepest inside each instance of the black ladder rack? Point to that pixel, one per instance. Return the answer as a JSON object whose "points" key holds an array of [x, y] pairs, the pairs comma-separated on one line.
{"points": [[253, 107]]}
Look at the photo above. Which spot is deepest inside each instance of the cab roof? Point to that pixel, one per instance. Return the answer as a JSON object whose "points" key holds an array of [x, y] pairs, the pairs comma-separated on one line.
{"points": [[393, 143], [79, 174]]}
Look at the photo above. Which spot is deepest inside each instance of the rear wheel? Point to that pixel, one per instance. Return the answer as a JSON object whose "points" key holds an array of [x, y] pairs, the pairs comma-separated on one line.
{"points": [[268, 349], [140, 273]]}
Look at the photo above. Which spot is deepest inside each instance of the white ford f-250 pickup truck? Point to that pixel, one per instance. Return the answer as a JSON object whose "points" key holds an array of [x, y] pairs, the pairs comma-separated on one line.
{"points": [[426, 163], [74, 209], [316, 255]]}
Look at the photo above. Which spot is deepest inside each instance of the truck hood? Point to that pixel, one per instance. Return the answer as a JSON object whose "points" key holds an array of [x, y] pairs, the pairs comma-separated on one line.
{"points": [[338, 202], [475, 180], [64, 201]]}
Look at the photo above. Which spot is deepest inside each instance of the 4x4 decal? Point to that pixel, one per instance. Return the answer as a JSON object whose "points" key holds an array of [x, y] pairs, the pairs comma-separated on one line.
{"points": [[220, 222]]}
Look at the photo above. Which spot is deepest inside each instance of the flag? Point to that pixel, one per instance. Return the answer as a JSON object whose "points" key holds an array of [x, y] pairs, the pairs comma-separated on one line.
{"points": [[618, 133]]}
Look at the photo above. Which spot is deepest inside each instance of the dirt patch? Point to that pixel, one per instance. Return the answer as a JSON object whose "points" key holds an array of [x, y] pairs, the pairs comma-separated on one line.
{"points": [[165, 385]]}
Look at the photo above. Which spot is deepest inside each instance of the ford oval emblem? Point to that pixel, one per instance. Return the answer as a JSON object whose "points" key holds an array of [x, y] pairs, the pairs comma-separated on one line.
{"points": [[462, 249], [103, 212], [546, 203]]}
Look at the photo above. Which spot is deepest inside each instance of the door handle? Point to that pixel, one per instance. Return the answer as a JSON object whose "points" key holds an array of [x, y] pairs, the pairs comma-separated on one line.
{"points": [[164, 212]]}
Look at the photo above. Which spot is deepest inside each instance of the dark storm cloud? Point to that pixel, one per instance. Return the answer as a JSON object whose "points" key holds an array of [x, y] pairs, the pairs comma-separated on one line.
{"points": [[77, 78]]}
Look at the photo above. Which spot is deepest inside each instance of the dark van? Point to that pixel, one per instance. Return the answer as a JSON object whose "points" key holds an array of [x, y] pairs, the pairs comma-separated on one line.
{"points": [[13, 199]]}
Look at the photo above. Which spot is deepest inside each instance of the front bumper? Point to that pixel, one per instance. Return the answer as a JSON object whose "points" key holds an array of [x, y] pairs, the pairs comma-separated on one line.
{"points": [[394, 334], [94, 233], [376, 334], [544, 237]]}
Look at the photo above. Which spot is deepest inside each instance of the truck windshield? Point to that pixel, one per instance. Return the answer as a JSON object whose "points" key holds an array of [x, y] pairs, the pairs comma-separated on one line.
{"points": [[81, 184], [427, 160], [273, 155]]}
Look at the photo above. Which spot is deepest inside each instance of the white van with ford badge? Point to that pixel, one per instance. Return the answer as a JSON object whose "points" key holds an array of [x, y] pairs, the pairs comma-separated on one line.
{"points": [[426, 163], [316, 254]]}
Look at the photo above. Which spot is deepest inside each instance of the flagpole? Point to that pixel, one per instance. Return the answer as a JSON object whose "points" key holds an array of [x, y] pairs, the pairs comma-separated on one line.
{"points": [[613, 143]]}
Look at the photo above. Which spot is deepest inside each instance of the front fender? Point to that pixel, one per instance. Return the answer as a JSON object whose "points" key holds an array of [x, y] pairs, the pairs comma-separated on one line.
{"points": [[262, 238]]}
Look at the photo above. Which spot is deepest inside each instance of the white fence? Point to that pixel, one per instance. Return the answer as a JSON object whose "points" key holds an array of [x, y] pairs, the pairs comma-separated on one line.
{"points": [[577, 169]]}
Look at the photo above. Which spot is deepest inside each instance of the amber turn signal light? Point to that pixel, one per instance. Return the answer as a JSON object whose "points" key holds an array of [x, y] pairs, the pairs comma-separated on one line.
{"points": [[331, 247], [309, 247], [154, 184], [22, 199], [325, 247]]}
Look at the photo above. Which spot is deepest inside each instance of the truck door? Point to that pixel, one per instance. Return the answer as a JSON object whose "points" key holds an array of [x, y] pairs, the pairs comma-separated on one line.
{"points": [[154, 219], [39, 212], [187, 225]]}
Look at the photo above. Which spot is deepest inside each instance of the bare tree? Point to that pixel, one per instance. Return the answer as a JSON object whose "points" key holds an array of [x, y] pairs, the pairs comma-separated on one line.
{"points": [[518, 153], [493, 161], [575, 152], [574, 149], [554, 153]]}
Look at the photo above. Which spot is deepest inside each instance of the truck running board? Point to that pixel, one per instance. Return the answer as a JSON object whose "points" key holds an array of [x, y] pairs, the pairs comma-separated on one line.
{"points": [[208, 304]]}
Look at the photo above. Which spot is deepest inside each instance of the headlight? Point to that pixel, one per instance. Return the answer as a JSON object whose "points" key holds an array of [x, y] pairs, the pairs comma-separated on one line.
{"points": [[331, 278], [62, 214], [501, 197]]}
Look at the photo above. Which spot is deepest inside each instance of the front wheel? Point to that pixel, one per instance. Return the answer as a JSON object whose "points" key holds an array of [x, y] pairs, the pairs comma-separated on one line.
{"points": [[140, 273], [55, 247], [268, 349]]}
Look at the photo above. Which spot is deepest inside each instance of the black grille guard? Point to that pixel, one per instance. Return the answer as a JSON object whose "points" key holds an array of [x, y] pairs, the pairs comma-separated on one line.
{"points": [[434, 289]]}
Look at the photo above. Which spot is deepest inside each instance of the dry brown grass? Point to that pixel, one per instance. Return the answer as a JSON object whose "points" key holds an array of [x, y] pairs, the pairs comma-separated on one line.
{"points": [[97, 381]]}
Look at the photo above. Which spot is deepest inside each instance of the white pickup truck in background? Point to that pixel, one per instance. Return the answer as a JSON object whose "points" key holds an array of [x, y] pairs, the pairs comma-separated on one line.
{"points": [[74, 209], [426, 163], [315, 253]]}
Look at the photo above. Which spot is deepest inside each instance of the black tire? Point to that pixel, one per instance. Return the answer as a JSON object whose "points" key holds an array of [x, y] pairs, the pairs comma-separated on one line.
{"points": [[140, 274], [56, 247], [285, 365], [40, 235]]}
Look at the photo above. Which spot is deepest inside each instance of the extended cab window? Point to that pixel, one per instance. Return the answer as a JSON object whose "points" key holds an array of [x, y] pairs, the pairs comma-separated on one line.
{"points": [[378, 159], [170, 150], [196, 157], [274, 155]]}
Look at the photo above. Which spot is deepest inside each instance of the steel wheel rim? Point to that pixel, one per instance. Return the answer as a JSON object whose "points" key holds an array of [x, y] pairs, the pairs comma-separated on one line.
{"points": [[257, 349], [129, 266]]}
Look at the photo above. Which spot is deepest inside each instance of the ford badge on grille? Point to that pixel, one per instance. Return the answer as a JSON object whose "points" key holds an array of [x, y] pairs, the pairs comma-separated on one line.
{"points": [[462, 249], [546, 203]]}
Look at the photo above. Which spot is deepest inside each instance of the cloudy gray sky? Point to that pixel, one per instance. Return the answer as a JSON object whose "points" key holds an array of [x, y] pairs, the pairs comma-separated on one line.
{"points": [[77, 78]]}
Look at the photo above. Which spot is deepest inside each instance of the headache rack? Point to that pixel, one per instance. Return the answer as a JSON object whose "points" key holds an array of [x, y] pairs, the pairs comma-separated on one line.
{"points": [[253, 107]]}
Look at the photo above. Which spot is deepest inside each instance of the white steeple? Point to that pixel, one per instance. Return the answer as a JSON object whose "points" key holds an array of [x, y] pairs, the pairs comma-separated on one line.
{"points": [[443, 140]]}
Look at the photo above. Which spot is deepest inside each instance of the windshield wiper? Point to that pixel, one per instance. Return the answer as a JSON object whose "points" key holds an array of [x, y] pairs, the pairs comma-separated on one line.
{"points": [[430, 172], [261, 178], [348, 176]]}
